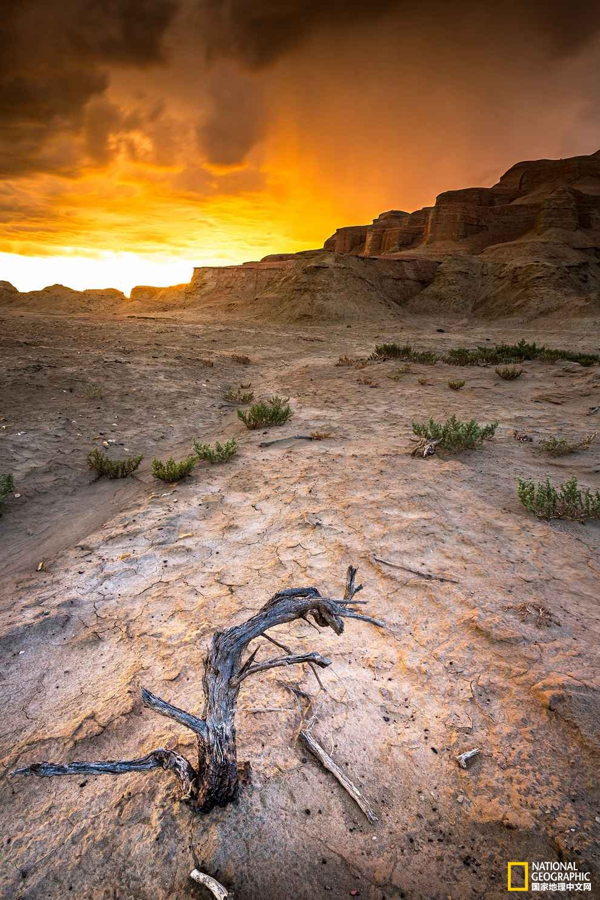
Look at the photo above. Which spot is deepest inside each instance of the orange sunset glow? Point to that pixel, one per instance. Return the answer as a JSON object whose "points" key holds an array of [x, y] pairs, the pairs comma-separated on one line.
{"points": [[212, 135]]}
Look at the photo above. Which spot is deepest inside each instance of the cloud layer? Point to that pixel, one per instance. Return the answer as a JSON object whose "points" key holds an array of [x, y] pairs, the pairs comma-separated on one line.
{"points": [[304, 114]]}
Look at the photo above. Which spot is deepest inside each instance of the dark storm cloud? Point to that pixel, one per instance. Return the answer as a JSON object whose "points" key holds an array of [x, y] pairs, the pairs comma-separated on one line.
{"points": [[56, 60], [259, 33]]}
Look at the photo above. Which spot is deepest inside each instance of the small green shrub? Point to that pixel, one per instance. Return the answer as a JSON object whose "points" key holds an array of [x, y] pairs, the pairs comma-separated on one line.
{"points": [[275, 411], [171, 470], [503, 354], [118, 468], [399, 374], [222, 452], [7, 486], [238, 396], [406, 351], [568, 502], [562, 447], [454, 435], [456, 384], [509, 373]]}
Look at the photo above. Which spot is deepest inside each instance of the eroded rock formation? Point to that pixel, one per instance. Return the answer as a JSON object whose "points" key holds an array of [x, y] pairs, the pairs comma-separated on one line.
{"points": [[532, 196]]}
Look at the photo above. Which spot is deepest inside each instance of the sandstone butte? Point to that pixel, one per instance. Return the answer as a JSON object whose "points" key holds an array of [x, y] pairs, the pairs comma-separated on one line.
{"points": [[527, 247]]}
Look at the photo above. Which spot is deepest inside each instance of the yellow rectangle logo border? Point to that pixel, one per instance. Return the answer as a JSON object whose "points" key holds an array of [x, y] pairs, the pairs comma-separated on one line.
{"points": [[526, 865]]}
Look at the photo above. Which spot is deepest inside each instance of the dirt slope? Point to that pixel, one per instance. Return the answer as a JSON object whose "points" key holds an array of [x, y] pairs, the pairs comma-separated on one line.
{"points": [[136, 601]]}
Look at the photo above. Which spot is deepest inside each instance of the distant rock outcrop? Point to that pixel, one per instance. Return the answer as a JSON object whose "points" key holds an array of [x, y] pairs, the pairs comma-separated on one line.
{"points": [[527, 247], [531, 197], [60, 299]]}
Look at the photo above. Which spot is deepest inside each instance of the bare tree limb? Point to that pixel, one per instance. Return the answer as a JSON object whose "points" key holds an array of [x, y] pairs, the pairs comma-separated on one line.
{"points": [[314, 658], [211, 883], [215, 780], [326, 760], [158, 759], [427, 575], [173, 712]]}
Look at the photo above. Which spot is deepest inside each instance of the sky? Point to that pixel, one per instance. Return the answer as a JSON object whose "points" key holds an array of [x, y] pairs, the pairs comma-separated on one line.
{"points": [[139, 138]]}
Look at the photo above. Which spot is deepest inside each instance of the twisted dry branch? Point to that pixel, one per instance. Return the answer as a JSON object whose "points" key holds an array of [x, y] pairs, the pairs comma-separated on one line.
{"points": [[214, 781]]}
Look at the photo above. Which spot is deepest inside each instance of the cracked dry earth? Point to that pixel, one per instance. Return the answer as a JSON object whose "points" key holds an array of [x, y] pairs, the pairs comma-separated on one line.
{"points": [[138, 577]]}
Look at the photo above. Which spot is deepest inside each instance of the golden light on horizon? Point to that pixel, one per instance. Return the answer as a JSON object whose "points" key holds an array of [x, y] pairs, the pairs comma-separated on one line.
{"points": [[211, 140]]}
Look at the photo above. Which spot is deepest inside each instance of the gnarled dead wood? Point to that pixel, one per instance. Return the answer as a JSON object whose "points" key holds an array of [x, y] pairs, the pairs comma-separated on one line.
{"points": [[214, 781], [349, 786], [211, 883]]}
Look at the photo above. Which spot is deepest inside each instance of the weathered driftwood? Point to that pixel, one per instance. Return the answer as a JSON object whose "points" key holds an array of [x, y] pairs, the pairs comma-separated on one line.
{"points": [[326, 760], [465, 758], [211, 883], [425, 448], [427, 575], [283, 440], [214, 780]]}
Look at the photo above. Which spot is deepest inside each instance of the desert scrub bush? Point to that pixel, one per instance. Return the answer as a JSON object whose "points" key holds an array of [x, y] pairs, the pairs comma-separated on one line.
{"points": [[505, 354], [568, 502], [399, 374], [406, 351], [220, 454], [454, 435], [238, 396], [456, 384], [509, 373], [275, 411], [173, 471], [562, 447], [7, 486], [118, 468]]}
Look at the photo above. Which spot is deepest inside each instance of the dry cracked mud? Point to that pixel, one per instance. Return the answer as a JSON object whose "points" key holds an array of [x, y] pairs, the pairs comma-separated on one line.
{"points": [[137, 576]]}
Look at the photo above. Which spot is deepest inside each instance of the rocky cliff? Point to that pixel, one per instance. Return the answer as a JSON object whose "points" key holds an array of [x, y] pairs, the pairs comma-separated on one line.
{"points": [[527, 247], [531, 197]]}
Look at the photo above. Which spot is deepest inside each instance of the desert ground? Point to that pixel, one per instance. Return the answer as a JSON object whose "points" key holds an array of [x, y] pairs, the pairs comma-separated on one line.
{"points": [[500, 653]]}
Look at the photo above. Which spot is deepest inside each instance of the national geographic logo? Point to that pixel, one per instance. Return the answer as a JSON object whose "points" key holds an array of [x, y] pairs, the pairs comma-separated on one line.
{"points": [[525, 876], [547, 876]]}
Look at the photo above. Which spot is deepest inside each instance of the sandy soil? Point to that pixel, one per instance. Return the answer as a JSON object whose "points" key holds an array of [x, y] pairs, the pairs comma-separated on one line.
{"points": [[137, 578]]}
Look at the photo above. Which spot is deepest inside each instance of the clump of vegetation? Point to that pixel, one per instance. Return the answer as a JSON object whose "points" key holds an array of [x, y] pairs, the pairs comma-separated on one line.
{"points": [[118, 468], [238, 396], [275, 411], [509, 373], [568, 502], [505, 354], [346, 361], [399, 374], [405, 351], [538, 613], [241, 359], [173, 471], [92, 392], [220, 454], [456, 384], [320, 435], [454, 435], [562, 447], [7, 486]]}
